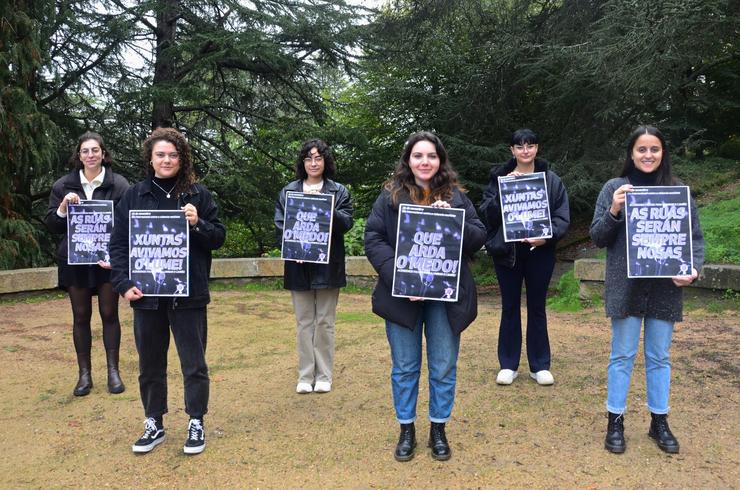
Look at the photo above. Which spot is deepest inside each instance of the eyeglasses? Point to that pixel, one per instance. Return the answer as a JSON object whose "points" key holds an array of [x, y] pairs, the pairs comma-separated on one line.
{"points": [[317, 159], [525, 147], [88, 151]]}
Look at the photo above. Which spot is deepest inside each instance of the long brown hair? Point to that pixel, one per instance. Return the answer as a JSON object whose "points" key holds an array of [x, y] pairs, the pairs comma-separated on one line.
{"points": [[186, 175], [442, 185]]}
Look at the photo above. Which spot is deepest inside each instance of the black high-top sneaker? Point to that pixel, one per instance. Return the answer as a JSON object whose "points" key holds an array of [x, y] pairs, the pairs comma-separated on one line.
{"points": [[152, 437], [196, 442]]}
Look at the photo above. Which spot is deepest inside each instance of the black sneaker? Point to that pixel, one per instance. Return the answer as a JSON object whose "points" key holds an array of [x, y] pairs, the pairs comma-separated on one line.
{"points": [[153, 435], [196, 442]]}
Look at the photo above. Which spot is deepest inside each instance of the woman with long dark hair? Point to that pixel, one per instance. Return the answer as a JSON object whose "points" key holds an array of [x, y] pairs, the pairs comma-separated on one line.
{"points": [[423, 176], [170, 184], [656, 303], [314, 288], [91, 178]]}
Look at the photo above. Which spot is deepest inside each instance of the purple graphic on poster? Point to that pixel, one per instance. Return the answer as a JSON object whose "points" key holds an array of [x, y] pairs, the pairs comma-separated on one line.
{"points": [[89, 227], [307, 227], [428, 252], [658, 221], [525, 211], [158, 252]]}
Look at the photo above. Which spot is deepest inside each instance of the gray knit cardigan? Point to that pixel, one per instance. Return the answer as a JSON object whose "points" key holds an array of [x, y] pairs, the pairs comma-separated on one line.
{"points": [[649, 298]]}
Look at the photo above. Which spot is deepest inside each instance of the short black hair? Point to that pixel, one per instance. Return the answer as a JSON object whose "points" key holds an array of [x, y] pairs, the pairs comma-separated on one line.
{"points": [[524, 136]]}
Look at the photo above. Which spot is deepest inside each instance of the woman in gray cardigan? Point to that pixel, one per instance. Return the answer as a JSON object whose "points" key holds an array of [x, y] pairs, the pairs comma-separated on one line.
{"points": [[657, 303]]}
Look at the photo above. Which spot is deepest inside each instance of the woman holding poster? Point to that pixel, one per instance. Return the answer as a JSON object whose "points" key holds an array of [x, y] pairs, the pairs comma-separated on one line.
{"points": [[530, 261], [91, 178], [170, 185], [423, 176], [314, 287], [656, 303]]}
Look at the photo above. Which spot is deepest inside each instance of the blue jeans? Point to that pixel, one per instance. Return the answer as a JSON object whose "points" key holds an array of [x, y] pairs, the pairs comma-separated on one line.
{"points": [[657, 344], [442, 348]]}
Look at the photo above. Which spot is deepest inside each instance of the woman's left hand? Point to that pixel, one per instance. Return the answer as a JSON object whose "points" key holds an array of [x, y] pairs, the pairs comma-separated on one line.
{"points": [[104, 264], [535, 242], [682, 281], [191, 214], [441, 204]]}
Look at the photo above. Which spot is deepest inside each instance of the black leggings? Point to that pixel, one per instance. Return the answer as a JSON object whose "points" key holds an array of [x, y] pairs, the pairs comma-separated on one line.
{"points": [[81, 299]]}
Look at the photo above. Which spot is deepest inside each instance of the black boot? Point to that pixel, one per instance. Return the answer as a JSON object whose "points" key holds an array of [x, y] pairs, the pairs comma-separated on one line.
{"points": [[660, 431], [615, 433], [84, 384], [115, 385], [438, 442], [406, 443]]}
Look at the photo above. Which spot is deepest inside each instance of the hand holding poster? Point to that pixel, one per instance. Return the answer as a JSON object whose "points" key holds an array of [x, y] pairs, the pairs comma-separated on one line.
{"points": [[428, 252], [89, 226], [658, 220], [525, 210], [158, 252], [307, 227]]}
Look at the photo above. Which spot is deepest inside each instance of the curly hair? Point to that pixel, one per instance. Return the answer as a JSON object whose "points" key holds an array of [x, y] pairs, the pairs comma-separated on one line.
{"points": [[663, 174], [324, 150], [74, 158], [186, 175], [442, 185]]}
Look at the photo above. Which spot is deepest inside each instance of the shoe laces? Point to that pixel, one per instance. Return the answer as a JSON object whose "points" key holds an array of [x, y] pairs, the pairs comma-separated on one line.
{"points": [[150, 428], [196, 429]]}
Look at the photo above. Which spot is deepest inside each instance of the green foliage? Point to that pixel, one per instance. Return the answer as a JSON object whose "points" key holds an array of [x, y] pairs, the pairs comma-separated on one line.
{"points": [[239, 242], [354, 239], [720, 223], [566, 297], [706, 177], [730, 149], [482, 269]]}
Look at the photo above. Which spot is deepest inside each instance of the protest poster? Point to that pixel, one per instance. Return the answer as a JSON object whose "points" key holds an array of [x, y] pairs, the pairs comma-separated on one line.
{"points": [[307, 227], [428, 252], [658, 221], [158, 252], [89, 227], [525, 210]]}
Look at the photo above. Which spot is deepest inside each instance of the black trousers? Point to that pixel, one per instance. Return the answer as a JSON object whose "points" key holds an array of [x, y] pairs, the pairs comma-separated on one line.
{"points": [[534, 268], [152, 334]]}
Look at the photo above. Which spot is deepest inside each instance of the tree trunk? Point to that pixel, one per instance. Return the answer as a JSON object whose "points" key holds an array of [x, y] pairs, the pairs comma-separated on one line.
{"points": [[163, 114]]}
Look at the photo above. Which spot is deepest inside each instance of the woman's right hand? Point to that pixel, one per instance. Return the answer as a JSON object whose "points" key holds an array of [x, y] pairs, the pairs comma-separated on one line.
{"points": [[620, 195], [69, 198], [133, 294]]}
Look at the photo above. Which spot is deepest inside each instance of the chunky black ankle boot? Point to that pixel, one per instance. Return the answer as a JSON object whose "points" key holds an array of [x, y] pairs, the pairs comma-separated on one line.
{"points": [[660, 431], [115, 385], [406, 443], [438, 442], [615, 433], [84, 383]]}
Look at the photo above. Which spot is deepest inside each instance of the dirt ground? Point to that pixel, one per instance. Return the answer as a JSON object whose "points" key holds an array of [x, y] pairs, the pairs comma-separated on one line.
{"points": [[261, 434]]}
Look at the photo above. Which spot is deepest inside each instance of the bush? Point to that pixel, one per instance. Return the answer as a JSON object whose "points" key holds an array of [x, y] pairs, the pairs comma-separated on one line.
{"points": [[354, 240], [567, 296], [720, 223], [730, 149]]}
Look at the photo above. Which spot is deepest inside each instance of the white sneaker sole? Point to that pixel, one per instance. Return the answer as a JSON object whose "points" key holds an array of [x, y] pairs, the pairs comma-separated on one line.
{"points": [[545, 382], [506, 381], [148, 447], [194, 450]]}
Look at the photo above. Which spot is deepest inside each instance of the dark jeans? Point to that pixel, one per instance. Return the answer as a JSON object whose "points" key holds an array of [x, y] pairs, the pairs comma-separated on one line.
{"points": [[535, 270], [152, 334]]}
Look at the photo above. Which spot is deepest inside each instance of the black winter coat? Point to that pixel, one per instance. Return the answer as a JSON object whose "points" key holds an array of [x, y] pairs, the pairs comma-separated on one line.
{"points": [[207, 235], [305, 276], [504, 253], [112, 189], [380, 248]]}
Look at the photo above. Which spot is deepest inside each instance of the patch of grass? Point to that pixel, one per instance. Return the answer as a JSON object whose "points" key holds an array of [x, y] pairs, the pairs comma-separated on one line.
{"points": [[30, 298], [355, 317], [238, 285], [706, 177], [566, 298], [720, 222], [11, 348]]}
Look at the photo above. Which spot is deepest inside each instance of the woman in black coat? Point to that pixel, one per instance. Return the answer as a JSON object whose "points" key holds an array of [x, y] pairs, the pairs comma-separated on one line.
{"points": [[314, 288], [530, 262], [423, 176], [92, 178]]}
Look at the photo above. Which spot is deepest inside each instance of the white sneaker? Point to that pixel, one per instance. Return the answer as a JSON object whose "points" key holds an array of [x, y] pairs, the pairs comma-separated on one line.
{"points": [[506, 377], [303, 388], [322, 387], [543, 378]]}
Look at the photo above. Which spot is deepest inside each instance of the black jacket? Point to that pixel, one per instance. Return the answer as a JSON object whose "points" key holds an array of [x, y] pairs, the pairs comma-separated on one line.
{"points": [[209, 234], [380, 248], [112, 189], [504, 253], [305, 276]]}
